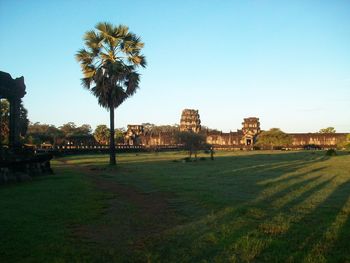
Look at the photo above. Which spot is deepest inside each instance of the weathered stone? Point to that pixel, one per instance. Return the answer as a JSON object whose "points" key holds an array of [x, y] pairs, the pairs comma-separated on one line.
{"points": [[190, 121]]}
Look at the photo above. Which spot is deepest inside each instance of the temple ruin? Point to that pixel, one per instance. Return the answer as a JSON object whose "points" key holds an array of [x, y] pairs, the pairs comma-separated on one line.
{"points": [[244, 138], [190, 121], [16, 161], [13, 90]]}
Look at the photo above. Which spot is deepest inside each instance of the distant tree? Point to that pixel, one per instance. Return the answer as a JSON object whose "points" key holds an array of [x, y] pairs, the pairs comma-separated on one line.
{"points": [[156, 129], [119, 134], [147, 127], [328, 130], [345, 143], [68, 129], [24, 121], [207, 129], [43, 133], [192, 142], [274, 138], [83, 130], [4, 115], [102, 134], [109, 64], [5, 118]]}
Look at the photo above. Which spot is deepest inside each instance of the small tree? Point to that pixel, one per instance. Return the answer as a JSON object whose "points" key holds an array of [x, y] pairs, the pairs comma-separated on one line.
{"points": [[328, 130], [119, 134], [102, 134], [192, 142], [274, 138]]}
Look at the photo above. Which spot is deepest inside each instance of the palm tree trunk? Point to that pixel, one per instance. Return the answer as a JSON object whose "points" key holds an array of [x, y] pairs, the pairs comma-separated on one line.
{"points": [[112, 160]]}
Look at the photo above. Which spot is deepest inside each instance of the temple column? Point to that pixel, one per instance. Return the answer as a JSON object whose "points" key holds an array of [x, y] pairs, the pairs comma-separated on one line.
{"points": [[14, 123]]}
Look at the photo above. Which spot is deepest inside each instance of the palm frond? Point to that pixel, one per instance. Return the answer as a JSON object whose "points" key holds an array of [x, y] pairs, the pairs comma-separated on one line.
{"points": [[109, 62]]}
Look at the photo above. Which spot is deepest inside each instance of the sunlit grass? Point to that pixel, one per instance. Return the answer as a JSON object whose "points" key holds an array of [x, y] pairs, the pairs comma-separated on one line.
{"points": [[242, 207]]}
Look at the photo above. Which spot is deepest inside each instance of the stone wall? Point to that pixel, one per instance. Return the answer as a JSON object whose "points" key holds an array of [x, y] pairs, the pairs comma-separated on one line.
{"points": [[319, 139]]}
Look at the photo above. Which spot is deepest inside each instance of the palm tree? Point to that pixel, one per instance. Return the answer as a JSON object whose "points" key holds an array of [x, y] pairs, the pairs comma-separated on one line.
{"points": [[109, 63]]}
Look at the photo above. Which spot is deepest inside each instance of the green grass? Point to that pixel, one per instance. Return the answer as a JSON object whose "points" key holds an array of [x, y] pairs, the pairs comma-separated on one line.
{"points": [[242, 207]]}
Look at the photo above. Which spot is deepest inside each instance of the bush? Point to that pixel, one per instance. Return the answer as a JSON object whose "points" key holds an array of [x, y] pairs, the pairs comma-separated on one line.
{"points": [[202, 159], [331, 152], [187, 159]]}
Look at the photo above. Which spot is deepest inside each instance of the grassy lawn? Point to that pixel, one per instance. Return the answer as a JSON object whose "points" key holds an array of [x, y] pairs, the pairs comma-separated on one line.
{"points": [[241, 207]]}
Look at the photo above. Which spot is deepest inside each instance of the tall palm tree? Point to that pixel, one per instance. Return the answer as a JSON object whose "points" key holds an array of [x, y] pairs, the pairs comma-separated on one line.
{"points": [[109, 63]]}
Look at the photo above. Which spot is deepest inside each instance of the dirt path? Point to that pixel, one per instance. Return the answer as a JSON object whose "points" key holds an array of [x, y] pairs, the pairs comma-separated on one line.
{"points": [[130, 218]]}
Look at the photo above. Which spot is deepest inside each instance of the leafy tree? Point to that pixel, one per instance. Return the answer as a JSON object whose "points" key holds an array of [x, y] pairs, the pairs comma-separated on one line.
{"points": [[68, 129], [5, 119], [274, 138], [344, 144], [119, 135], [43, 133], [109, 63], [4, 115], [156, 129], [102, 134], [83, 130], [328, 130], [191, 141]]}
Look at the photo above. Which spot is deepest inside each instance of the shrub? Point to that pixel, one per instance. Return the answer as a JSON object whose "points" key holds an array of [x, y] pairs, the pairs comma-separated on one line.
{"points": [[202, 159], [331, 152]]}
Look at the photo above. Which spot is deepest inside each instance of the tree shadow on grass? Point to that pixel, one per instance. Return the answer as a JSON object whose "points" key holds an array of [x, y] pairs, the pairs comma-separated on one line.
{"points": [[237, 207], [236, 233], [206, 236], [307, 238]]}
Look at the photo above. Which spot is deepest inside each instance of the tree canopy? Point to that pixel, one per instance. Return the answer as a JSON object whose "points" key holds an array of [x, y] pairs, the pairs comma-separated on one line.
{"points": [[328, 130], [274, 138], [191, 141]]}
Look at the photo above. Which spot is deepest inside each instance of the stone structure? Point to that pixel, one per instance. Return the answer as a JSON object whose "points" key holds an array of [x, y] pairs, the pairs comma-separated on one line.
{"points": [[247, 137], [317, 140], [250, 130], [132, 136], [244, 138], [190, 121], [13, 90], [16, 162]]}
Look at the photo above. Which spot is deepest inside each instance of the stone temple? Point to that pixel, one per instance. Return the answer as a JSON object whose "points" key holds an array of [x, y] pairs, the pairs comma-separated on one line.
{"points": [[190, 121], [244, 138]]}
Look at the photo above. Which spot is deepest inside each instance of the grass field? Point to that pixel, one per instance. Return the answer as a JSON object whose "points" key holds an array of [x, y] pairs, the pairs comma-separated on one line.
{"points": [[241, 207]]}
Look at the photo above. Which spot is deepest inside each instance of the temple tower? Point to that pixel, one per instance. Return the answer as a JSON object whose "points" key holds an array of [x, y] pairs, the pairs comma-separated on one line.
{"points": [[250, 129], [190, 121]]}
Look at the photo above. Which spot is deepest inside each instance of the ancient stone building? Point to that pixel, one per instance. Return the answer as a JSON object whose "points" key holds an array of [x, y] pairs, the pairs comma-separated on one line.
{"points": [[250, 130], [231, 139], [13, 90], [321, 140], [190, 120], [158, 139], [132, 136], [244, 138]]}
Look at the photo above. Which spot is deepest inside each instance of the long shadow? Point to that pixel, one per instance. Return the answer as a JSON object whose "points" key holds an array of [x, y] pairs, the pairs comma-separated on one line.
{"points": [[339, 250], [315, 221], [222, 218], [240, 178]]}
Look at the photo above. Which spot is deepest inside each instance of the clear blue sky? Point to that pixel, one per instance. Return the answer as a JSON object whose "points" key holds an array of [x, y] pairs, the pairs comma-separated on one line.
{"points": [[286, 62]]}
